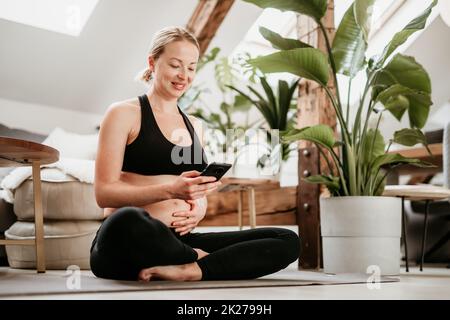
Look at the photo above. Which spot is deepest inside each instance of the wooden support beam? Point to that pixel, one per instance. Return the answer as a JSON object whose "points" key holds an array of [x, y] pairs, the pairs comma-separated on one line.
{"points": [[313, 108], [206, 19]]}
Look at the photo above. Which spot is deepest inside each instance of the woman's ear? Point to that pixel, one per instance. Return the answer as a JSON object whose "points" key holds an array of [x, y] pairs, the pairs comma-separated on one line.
{"points": [[151, 63]]}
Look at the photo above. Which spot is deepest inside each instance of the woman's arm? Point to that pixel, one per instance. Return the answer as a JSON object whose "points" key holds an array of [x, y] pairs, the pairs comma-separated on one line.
{"points": [[110, 190]]}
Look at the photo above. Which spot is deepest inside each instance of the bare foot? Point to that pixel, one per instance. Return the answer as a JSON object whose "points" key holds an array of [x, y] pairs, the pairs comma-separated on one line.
{"points": [[201, 253], [184, 272]]}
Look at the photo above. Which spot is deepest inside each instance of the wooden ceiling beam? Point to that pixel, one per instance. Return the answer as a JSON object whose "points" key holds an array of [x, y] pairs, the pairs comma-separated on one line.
{"points": [[206, 19]]}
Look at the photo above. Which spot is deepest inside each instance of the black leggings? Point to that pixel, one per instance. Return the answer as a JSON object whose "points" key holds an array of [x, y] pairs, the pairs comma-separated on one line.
{"points": [[130, 240]]}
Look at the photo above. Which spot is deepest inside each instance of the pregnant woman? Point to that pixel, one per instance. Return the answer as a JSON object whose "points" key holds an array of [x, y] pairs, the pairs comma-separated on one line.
{"points": [[147, 179]]}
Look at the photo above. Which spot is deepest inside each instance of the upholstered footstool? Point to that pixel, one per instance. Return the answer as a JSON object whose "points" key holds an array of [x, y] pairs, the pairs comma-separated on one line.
{"points": [[71, 220], [66, 243]]}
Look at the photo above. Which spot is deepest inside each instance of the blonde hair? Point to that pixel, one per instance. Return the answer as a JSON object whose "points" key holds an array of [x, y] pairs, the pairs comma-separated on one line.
{"points": [[161, 39]]}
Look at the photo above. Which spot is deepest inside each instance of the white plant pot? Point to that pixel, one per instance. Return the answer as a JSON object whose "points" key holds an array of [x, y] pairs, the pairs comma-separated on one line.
{"points": [[359, 232]]}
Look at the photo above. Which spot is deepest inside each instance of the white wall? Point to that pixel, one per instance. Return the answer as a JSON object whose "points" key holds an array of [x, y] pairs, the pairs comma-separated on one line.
{"points": [[43, 119]]}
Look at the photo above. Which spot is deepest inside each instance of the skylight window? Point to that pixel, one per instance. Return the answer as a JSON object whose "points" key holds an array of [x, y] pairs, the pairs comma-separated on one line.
{"points": [[273, 20], [64, 16]]}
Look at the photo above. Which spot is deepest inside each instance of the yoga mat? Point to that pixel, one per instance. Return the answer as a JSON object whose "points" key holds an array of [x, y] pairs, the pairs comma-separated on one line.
{"points": [[24, 283]]}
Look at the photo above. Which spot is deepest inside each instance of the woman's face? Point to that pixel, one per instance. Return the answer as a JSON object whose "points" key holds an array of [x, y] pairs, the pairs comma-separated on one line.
{"points": [[174, 70]]}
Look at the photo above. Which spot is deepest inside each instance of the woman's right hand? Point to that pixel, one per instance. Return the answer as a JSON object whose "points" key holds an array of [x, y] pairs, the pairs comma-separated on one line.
{"points": [[191, 186]]}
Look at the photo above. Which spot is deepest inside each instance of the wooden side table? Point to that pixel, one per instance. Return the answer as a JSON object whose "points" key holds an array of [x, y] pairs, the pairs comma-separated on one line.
{"points": [[249, 185], [425, 193], [18, 153]]}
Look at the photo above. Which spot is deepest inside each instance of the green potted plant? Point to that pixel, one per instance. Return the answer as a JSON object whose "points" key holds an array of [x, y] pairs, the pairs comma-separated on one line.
{"points": [[359, 228]]}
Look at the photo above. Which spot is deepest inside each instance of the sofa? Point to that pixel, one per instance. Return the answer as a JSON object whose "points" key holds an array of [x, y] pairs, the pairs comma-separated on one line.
{"points": [[71, 214]]}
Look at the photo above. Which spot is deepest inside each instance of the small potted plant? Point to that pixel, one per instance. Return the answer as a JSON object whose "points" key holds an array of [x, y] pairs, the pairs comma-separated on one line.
{"points": [[359, 227], [279, 112]]}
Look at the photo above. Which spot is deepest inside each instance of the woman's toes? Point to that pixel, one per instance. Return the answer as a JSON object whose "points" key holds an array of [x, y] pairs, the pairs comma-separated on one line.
{"points": [[144, 275]]}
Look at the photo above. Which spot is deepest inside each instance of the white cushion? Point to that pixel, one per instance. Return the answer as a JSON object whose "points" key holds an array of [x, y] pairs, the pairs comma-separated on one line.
{"points": [[72, 200], [73, 145]]}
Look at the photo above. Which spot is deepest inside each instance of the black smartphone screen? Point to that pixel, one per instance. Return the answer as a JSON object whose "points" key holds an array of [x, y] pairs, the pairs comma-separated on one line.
{"points": [[216, 170]]}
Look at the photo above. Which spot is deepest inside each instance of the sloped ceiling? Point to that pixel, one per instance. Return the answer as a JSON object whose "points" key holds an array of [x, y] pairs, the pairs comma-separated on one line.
{"points": [[89, 72]]}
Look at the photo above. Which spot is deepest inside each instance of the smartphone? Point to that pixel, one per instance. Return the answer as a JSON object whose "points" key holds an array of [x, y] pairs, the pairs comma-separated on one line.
{"points": [[216, 169]]}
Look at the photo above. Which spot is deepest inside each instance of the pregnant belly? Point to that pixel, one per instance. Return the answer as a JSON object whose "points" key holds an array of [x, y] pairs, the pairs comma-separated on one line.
{"points": [[162, 210]]}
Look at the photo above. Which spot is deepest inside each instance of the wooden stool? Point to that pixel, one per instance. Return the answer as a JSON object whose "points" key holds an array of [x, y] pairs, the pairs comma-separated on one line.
{"points": [[249, 185], [425, 193], [18, 153]]}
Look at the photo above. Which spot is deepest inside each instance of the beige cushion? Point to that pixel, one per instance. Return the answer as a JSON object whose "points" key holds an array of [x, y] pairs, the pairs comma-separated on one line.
{"points": [[72, 200], [66, 243]]}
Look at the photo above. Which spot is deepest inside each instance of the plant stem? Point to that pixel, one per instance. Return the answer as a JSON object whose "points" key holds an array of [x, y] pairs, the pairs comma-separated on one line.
{"points": [[369, 168], [333, 64], [326, 158], [371, 104], [339, 167], [344, 129], [389, 146], [348, 101], [357, 123], [381, 181], [354, 190]]}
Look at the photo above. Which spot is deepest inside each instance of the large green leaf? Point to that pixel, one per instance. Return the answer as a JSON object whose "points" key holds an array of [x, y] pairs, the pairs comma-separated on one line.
{"points": [[394, 159], [399, 38], [394, 100], [308, 63], [397, 99], [372, 146], [349, 46], [284, 101], [313, 8], [280, 43], [406, 71], [270, 97], [265, 108], [410, 137], [320, 134], [403, 76], [397, 105], [363, 10], [285, 94]]}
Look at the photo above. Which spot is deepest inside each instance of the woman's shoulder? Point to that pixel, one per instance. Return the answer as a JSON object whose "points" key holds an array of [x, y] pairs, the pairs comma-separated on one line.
{"points": [[130, 106], [123, 114]]}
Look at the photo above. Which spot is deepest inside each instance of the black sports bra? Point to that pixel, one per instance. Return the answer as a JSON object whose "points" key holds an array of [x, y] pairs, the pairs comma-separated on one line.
{"points": [[152, 154]]}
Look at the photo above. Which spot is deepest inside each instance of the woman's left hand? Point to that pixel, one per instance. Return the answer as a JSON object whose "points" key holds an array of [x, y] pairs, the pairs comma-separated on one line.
{"points": [[186, 221]]}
